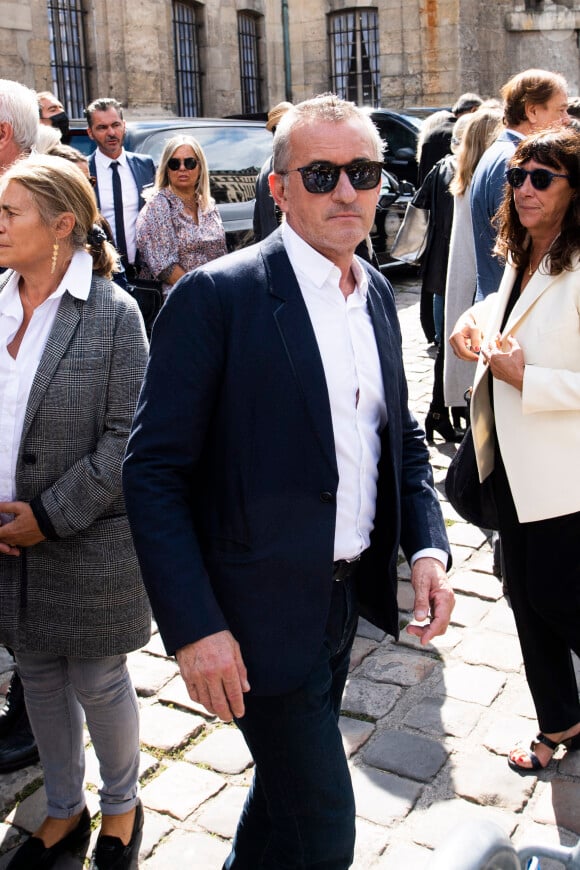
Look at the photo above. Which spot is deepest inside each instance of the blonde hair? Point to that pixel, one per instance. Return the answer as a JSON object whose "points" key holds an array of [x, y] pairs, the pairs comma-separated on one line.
{"points": [[481, 129], [46, 138], [202, 191], [56, 186]]}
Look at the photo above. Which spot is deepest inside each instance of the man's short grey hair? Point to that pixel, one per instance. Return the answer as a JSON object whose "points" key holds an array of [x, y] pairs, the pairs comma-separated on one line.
{"points": [[324, 107], [19, 108], [102, 104]]}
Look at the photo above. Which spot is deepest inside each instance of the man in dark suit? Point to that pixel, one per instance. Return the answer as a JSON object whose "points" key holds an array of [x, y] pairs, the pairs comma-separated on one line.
{"points": [[106, 127], [272, 471], [437, 131]]}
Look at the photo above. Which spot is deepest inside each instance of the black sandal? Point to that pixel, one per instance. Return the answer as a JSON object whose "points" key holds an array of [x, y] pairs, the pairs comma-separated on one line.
{"points": [[571, 743]]}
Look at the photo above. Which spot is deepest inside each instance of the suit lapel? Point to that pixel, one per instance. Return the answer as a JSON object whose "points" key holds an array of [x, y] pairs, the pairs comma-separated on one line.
{"points": [[93, 172], [295, 328], [63, 329], [384, 339], [536, 287]]}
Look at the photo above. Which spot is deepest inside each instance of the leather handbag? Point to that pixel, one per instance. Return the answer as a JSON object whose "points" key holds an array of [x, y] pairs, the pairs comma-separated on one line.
{"points": [[474, 501], [149, 297], [411, 239]]}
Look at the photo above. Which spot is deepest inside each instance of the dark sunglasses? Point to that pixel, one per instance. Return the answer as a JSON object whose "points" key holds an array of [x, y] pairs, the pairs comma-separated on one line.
{"points": [[174, 163], [323, 177], [541, 178]]}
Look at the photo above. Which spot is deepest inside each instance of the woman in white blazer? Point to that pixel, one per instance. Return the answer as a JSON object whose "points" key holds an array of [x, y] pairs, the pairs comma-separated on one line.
{"points": [[525, 415]]}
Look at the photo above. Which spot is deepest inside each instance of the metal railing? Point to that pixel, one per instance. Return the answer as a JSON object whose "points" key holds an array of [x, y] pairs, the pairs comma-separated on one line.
{"points": [[485, 846]]}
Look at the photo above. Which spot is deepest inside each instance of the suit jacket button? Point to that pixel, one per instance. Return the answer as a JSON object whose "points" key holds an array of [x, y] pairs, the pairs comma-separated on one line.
{"points": [[326, 497], [29, 458]]}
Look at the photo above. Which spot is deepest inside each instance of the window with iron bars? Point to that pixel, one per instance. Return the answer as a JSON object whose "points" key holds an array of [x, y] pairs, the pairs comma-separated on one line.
{"points": [[354, 56], [187, 64], [249, 62], [68, 54]]}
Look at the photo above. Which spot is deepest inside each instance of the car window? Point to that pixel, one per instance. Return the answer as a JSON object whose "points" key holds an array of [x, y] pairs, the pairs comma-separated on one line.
{"points": [[396, 135], [234, 154]]}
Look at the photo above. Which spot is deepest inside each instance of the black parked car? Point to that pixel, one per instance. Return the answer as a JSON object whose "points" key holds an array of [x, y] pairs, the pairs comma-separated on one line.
{"points": [[400, 131]]}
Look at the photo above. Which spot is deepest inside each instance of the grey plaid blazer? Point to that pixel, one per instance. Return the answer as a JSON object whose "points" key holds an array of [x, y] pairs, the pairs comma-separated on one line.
{"points": [[81, 593]]}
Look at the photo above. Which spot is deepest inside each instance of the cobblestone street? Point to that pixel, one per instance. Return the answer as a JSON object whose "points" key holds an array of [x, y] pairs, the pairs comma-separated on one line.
{"points": [[426, 730]]}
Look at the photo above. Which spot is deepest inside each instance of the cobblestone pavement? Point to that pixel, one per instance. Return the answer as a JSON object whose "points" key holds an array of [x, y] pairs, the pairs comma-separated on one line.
{"points": [[426, 730]]}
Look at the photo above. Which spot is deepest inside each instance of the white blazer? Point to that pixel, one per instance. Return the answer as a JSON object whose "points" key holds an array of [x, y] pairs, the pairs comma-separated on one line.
{"points": [[538, 429]]}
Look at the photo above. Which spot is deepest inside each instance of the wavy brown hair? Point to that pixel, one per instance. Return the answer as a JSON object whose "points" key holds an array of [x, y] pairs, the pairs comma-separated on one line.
{"points": [[558, 148], [533, 87]]}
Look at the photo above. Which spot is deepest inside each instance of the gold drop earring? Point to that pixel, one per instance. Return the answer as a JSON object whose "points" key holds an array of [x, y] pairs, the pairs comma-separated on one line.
{"points": [[54, 258]]}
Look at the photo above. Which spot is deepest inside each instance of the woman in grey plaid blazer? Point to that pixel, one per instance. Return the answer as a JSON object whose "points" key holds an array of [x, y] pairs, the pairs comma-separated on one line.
{"points": [[72, 604]]}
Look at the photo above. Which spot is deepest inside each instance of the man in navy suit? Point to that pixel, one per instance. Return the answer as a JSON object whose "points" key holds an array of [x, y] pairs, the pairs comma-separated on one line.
{"points": [[106, 127], [273, 469]]}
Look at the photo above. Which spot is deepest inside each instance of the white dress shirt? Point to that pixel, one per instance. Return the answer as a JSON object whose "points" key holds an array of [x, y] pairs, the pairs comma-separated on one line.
{"points": [[130, 197], [17, 375], [352, 369]]}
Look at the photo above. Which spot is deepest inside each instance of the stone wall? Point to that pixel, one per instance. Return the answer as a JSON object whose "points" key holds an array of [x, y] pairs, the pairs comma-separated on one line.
{"points": [[431, 50]]}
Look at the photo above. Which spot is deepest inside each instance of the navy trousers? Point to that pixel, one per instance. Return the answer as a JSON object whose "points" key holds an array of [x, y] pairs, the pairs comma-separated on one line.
{"points": [[300, 810]]}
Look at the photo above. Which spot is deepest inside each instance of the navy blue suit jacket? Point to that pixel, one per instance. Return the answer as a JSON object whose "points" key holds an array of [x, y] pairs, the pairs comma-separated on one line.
{"points": [[142, 168], [231, 475]]}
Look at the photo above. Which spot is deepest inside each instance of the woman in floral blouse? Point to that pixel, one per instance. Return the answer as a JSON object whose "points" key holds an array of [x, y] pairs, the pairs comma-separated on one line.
{"points": [[179, 227]]}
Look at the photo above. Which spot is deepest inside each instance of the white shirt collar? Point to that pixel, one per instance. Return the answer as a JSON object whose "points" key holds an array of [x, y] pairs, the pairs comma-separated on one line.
{"points": [[76, 281], [103, 161], [310, 264]]}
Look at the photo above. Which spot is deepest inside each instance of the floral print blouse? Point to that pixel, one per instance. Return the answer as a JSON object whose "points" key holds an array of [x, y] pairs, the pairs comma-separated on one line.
{"points": [[167, 236]]}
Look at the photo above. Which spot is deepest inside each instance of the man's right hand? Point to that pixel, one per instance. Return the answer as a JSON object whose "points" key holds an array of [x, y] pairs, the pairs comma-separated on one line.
{"points": [[215, 674], [465, 339]]}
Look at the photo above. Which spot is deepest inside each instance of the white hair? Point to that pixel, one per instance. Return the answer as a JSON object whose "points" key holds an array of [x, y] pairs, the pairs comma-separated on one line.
{"points": [[19, 108], [46, 138]]}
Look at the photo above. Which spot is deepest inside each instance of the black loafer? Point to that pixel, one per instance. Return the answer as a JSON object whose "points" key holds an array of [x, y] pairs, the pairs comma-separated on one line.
{"points": [[110, 852], [14, 708], [18, 750], [34, 855]]}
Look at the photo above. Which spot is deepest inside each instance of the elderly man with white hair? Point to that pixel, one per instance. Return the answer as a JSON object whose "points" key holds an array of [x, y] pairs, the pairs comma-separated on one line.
{"points": [[19, 127]]}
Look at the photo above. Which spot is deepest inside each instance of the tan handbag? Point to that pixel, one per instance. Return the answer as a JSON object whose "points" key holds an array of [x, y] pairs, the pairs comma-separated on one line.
{"points": [[411, 239]]}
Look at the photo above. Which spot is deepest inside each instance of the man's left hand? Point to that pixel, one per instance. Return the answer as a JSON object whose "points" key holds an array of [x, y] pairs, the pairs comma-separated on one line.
{"points": [[434, 599], [22, 531]]}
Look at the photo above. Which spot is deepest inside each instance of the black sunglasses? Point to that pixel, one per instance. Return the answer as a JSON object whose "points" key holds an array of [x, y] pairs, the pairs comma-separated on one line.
{"points": [[323, 177], [174, 163], [541, 178]]}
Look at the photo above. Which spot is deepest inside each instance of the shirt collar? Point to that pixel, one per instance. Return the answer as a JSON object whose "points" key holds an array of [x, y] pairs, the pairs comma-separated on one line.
{"points": [[76, 281], [310, 265], [104, 161]]}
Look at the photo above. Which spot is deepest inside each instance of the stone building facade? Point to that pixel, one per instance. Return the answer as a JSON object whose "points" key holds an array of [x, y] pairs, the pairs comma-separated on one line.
{"points": [[222, 57]]}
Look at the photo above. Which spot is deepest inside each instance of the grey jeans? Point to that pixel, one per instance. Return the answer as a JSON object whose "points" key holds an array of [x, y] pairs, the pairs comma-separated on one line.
{"points": [[60, 692]]}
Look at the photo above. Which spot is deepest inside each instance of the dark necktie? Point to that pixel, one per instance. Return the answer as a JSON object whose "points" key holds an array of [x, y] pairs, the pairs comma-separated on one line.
{"points": [[118, 208]]}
